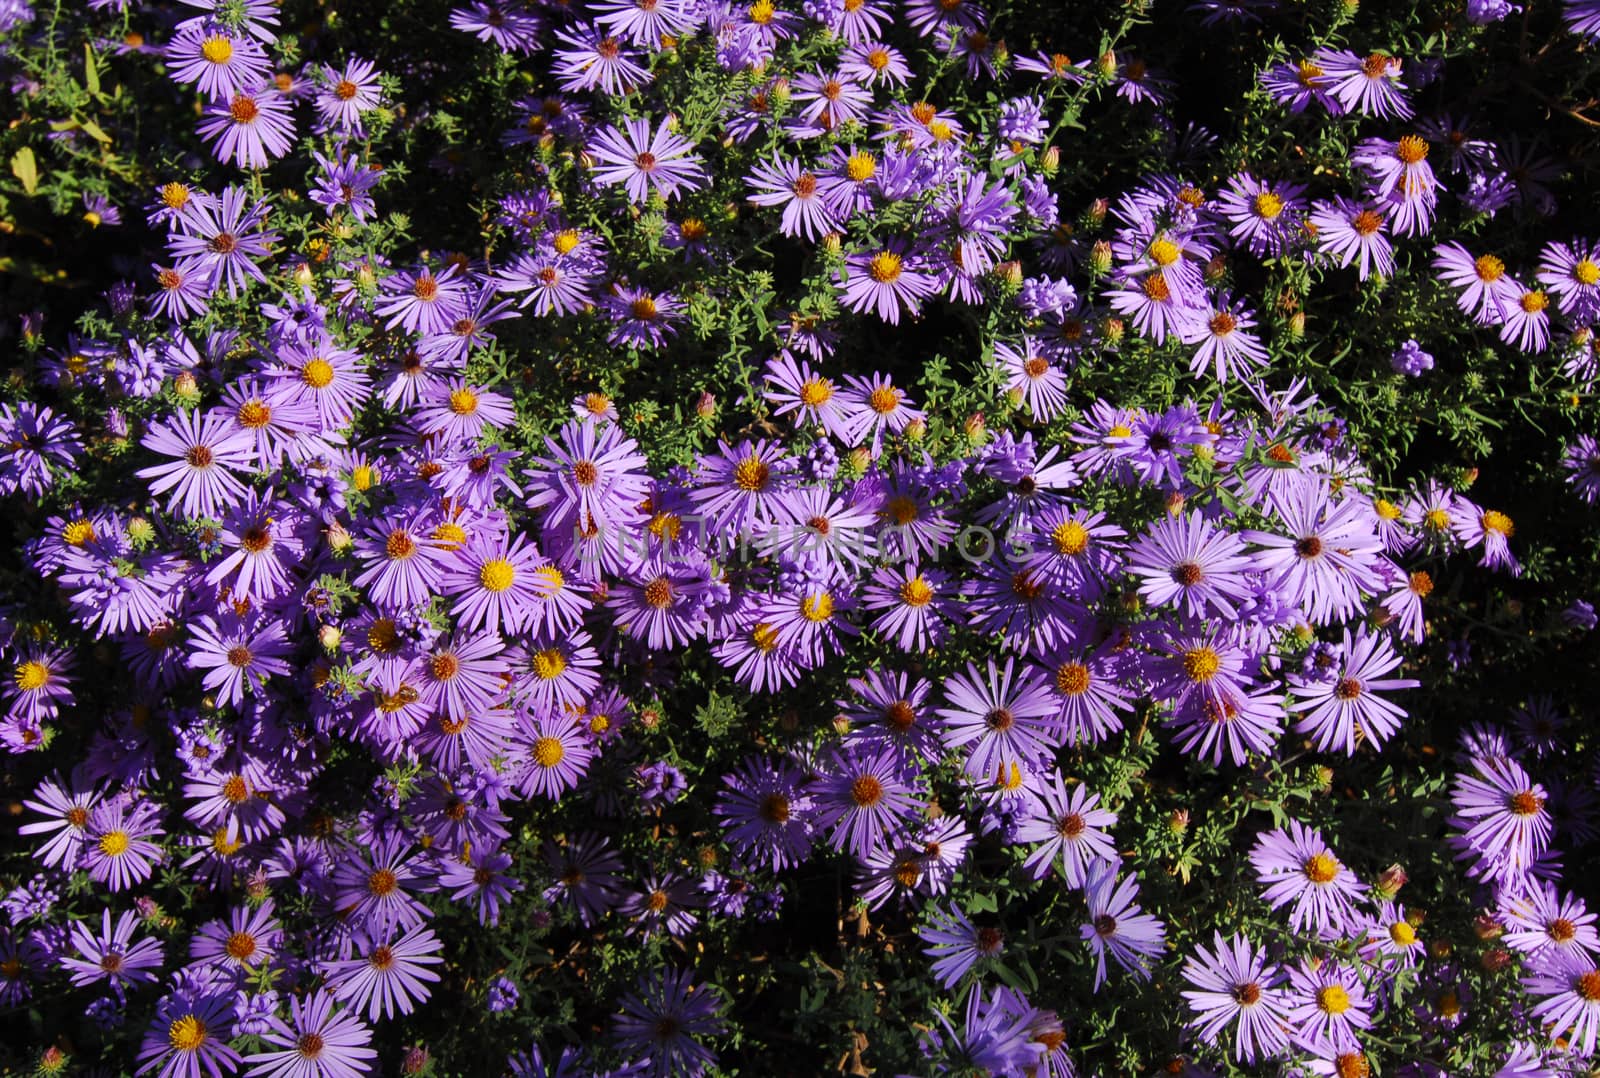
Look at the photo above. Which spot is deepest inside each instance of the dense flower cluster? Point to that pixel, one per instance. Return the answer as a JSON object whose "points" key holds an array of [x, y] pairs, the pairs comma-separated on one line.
{"points": [[369, 638]]}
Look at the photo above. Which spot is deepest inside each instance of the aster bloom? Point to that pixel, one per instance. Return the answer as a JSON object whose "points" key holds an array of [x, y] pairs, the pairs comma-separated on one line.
{"points": [[1582, 462], [1069, 827], [118, 850], [998, 720], [766, 814], [1352, 231], [555, 755], [404, 564], [1263, 215], [388, 976], [875, 406], [316, 1042], [1569, 1007], [40, 682], [1400, 174], [250, 129], [642, 318], [497, 581], [1117, 926], [1298, 84], [1235, 985], [345, 94], [246, 940], [1504, 815], [460, 413], [345, 182], [111, 955], [586, 875], [661, 1021], [1037, 382], [32, 439], [1525, 318], [1541, 919], [66, 808], [1571, 273], [1337, 710], [1189, 561], [222, 239], [218, 63], [422, 302], [236, 654], [885, 281], [190, 1034], [861, 799], [814, 400], [795, 188], [1369, 85], [1326, 565], [1327, 1004], [912, 605], [262, 539], [641, 161], [209, 449], [1296, 866]]}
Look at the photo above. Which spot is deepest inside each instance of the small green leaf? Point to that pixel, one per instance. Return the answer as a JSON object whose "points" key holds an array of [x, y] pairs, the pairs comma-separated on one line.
{"points": [[26, 169], [93, 130], [91, 70]]}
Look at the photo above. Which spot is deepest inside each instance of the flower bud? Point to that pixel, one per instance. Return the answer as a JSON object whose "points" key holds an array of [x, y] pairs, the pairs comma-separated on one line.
{"points": [[1107, 64], [1389, 882], [338, 538], [1486, 926], [841, 724], [858, 460], [706, 406], [1178, 821], [1113, 330], [1215, 269], [1009, 273], [975, 428], [650, 718], [1495, 959], [916, 430], [1100, 258], [1297, 325], [1174, 502], [303, 277], [141, 530], [1050, 161], [329, 637], [789, 720], [186, 387], [415, 1060]]}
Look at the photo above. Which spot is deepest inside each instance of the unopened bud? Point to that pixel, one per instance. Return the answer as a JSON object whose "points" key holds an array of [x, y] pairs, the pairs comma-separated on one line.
{"points": [[1050, 161], [1297, 325], [1178, 821], [1100, 257], [779, 94], [832, 243], [1009, 273], [1175, 502], [841, 724], [415, 1060], [329, 637], [975, 428], [1486, 926], [1389, 882], [1215, 269], [1107, 64], [1495, 959], [858, 460], [916, 430], [186, 387], [706, 406], [302, 272], [338, 538], [650, 718], [789, 720], [1113, 330], [1097, 213]]}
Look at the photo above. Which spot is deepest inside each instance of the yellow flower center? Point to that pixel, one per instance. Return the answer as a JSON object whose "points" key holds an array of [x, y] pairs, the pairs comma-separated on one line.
{"points": [[1321, 868], [885, 267], [186, 1034], [1201, 664], [497, 575], [1534, 302], [32, 675], [463, 401], [1072, 679], [1411, 149], [566, 242], [916, 592], [1402, 933], [1163, 252], [815, 392], [1488, 268], [1268, 206], [1333, 999], [114, 843], [217, 49], [764, 637], [817, 608], [761, 12], [548, 664], [1586, 273], [318, 374], [750, 474], [548, 752], [1497, 522], [884, 399]]}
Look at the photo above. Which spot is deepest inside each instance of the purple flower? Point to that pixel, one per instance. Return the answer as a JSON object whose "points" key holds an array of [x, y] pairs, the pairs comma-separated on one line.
{"points": [[209, 448], [1338, 709], [218, 63], [345, 94], [885, 281], [190, 1033], [1569, 1007], [1504, 815], [1354, 232], [1369, 85], [1410, 359], [112, 956], [1192, 562], [250, 130], [118, 850], [316, 1042], [956, 945], [861, 799], [388, 976], [999, 722], [642, 161], [1297, 867], [1234, 985], [1069, 827], [661, 1022]]}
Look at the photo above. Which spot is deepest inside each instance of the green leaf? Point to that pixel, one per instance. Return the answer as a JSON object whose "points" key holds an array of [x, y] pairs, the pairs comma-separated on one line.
{"points": [[93, 130], [26, 169], [91, 70]]}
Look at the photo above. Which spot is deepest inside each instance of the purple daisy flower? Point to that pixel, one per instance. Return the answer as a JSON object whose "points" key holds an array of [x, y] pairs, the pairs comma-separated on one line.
{"points": [[316, 1042], [1003, 722], [219, 64], [1568, 985], [209, 448], [586, 874], [861, 798], [236, 654], [1296, 866], [885, 282], [112, 956], [190, 1033], [1192, 562], [642, 161], [1327, 1003], [1117, 926], [1369, 85], [118, 850], [251, 129], [795, 188], [957, 945], [346, 93], [1236, 986], [1350, 231], [1336, 710], [661, 1021], [387, 976], [555, 755], [66, 809], [642, 318], [1504, 815], [766, 815], [404, 564], [1069, 827]]}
